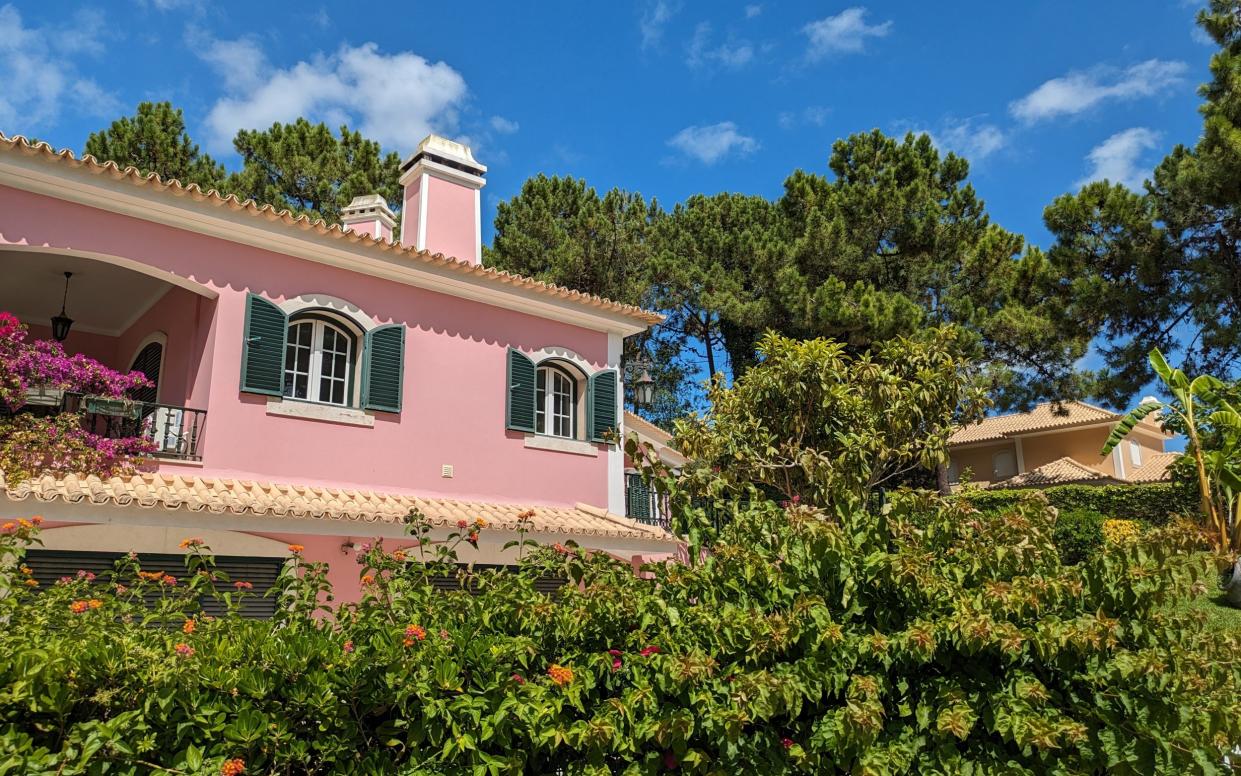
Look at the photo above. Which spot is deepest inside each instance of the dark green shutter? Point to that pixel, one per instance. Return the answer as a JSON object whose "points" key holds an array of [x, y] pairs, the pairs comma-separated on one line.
{"points": [[637, 497], [601, 404], [263, 344], [383, 357], [519, 409]]}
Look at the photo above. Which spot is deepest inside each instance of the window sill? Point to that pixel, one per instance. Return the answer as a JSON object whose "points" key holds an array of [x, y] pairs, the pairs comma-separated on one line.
{"points": [[329, 413], [561, 445]]}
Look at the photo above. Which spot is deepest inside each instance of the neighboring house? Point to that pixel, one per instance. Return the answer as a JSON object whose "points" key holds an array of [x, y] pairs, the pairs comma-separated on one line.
{"points": [[1057, 445], [313, 383]]}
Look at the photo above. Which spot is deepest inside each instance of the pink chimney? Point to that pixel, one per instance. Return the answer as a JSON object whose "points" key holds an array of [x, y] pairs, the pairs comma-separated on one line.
{"points": [[442, 211], [370, 215]]}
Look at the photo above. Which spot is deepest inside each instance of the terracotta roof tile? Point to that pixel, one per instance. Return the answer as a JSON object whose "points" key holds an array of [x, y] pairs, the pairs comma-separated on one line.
{"points": [[1042, 417], [304, 223], [246, 497], [1155, 468], [1059, 472]]}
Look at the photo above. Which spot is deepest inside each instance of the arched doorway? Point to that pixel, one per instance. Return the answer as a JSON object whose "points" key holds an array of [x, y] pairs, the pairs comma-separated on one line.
{"points": [[149, 361]]}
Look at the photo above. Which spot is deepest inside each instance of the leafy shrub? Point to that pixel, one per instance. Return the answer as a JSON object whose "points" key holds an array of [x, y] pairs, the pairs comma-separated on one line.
{"points": [[1078, 534], [1154, 503], [928, 639]]}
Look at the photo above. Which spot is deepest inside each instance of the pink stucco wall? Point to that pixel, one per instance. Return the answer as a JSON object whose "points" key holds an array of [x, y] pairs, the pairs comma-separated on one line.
{"points": [[454, 378]]}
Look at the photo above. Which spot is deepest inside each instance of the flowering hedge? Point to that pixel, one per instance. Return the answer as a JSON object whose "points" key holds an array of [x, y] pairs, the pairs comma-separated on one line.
{"points": [[31, 445], [929, 639], [826, 635]]}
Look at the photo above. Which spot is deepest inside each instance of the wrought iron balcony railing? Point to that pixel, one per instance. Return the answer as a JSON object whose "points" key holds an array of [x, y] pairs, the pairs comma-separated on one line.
{"points": [[643, 504], [174, 431]]}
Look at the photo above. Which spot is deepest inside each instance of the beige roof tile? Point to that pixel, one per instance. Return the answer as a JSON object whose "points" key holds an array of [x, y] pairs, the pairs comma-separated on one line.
{"points": [[1042, 417], [175, 188], [245, 497], [1059, 472], [1156, 468]]}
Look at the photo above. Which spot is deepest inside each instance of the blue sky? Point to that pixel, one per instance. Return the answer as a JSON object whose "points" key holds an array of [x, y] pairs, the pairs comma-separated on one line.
{"points": [[663, 97]]}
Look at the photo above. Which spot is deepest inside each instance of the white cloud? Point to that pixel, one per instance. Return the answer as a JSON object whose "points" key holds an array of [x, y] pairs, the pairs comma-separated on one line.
{"points": [[1117, 158], [753, 10], [712, 143], [814, 115], [40, 77], [396, 99], [844, 33], [1199, 35], [504, 126], [654, 19], [1081, 91], [966, 137], [700, 52]]}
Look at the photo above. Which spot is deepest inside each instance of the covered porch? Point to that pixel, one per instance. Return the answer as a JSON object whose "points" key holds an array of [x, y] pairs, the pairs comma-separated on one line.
{"points": [[127, 317]]}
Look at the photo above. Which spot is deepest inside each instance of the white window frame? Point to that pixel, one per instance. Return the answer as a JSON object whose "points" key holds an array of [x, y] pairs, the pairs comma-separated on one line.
{"points": [[1135, 453], [545, 410], [314, 375]]}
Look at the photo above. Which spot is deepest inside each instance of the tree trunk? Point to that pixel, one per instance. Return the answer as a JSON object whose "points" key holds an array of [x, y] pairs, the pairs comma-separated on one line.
{"points": [[941, 477]]}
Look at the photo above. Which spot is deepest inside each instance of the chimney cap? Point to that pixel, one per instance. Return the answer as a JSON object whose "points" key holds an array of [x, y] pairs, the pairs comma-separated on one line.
{"points": [[368, 207], [449, 152]]}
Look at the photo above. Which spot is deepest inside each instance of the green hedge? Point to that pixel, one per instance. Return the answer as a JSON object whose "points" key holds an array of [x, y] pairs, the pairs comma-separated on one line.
{"points": [[1153, 503]]}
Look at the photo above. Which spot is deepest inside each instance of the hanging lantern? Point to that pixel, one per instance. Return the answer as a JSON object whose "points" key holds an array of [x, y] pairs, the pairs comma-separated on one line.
{"points": [[62, 323]]}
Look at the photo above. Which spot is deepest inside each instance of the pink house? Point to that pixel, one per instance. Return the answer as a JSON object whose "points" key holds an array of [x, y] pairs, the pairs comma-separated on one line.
{"points": [[315, 383]]}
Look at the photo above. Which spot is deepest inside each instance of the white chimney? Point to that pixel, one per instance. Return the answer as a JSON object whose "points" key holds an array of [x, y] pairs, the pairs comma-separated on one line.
{"points": [[369, 214], [442, 210]]}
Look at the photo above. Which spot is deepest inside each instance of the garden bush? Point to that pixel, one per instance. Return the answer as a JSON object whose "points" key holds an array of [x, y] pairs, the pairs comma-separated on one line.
{"points": [[825, 634], [1153, 503], [1078, 534]]}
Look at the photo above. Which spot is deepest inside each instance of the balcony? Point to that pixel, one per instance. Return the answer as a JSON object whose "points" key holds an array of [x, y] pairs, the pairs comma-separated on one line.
{"points": [[173, 431], [643, 504]]}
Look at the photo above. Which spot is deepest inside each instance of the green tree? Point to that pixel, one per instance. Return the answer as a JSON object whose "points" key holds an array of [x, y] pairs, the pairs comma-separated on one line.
{"points": [[708, 276], [898, 240], [154, 140], [559, 230], [1159, 268], [304, 168]]}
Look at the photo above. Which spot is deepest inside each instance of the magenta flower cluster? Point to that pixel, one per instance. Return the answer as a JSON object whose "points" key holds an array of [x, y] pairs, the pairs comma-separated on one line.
{"points": [[24, 364]]}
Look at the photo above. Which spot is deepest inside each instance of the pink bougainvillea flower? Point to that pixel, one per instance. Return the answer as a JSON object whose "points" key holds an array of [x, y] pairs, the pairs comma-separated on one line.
{"points": [[786, 742], [518, 679], [651, 650]]}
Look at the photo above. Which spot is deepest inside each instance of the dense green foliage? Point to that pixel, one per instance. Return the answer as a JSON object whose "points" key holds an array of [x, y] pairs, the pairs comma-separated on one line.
{"points": [[154, 140], [1078, 534], [301, 167], [830, 634], [305, 168], [1158, 268], [1153, 503]]}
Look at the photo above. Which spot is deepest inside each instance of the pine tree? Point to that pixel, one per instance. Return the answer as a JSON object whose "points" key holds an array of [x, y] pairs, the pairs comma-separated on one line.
{"points": [[154, 140], [304, 168], [1160, 268]]}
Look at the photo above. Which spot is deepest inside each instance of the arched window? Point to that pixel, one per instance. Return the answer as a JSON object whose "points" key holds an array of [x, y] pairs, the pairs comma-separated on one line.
{"points": [[149, 361], [318, 361], [1003, 465], [555, 403]]}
